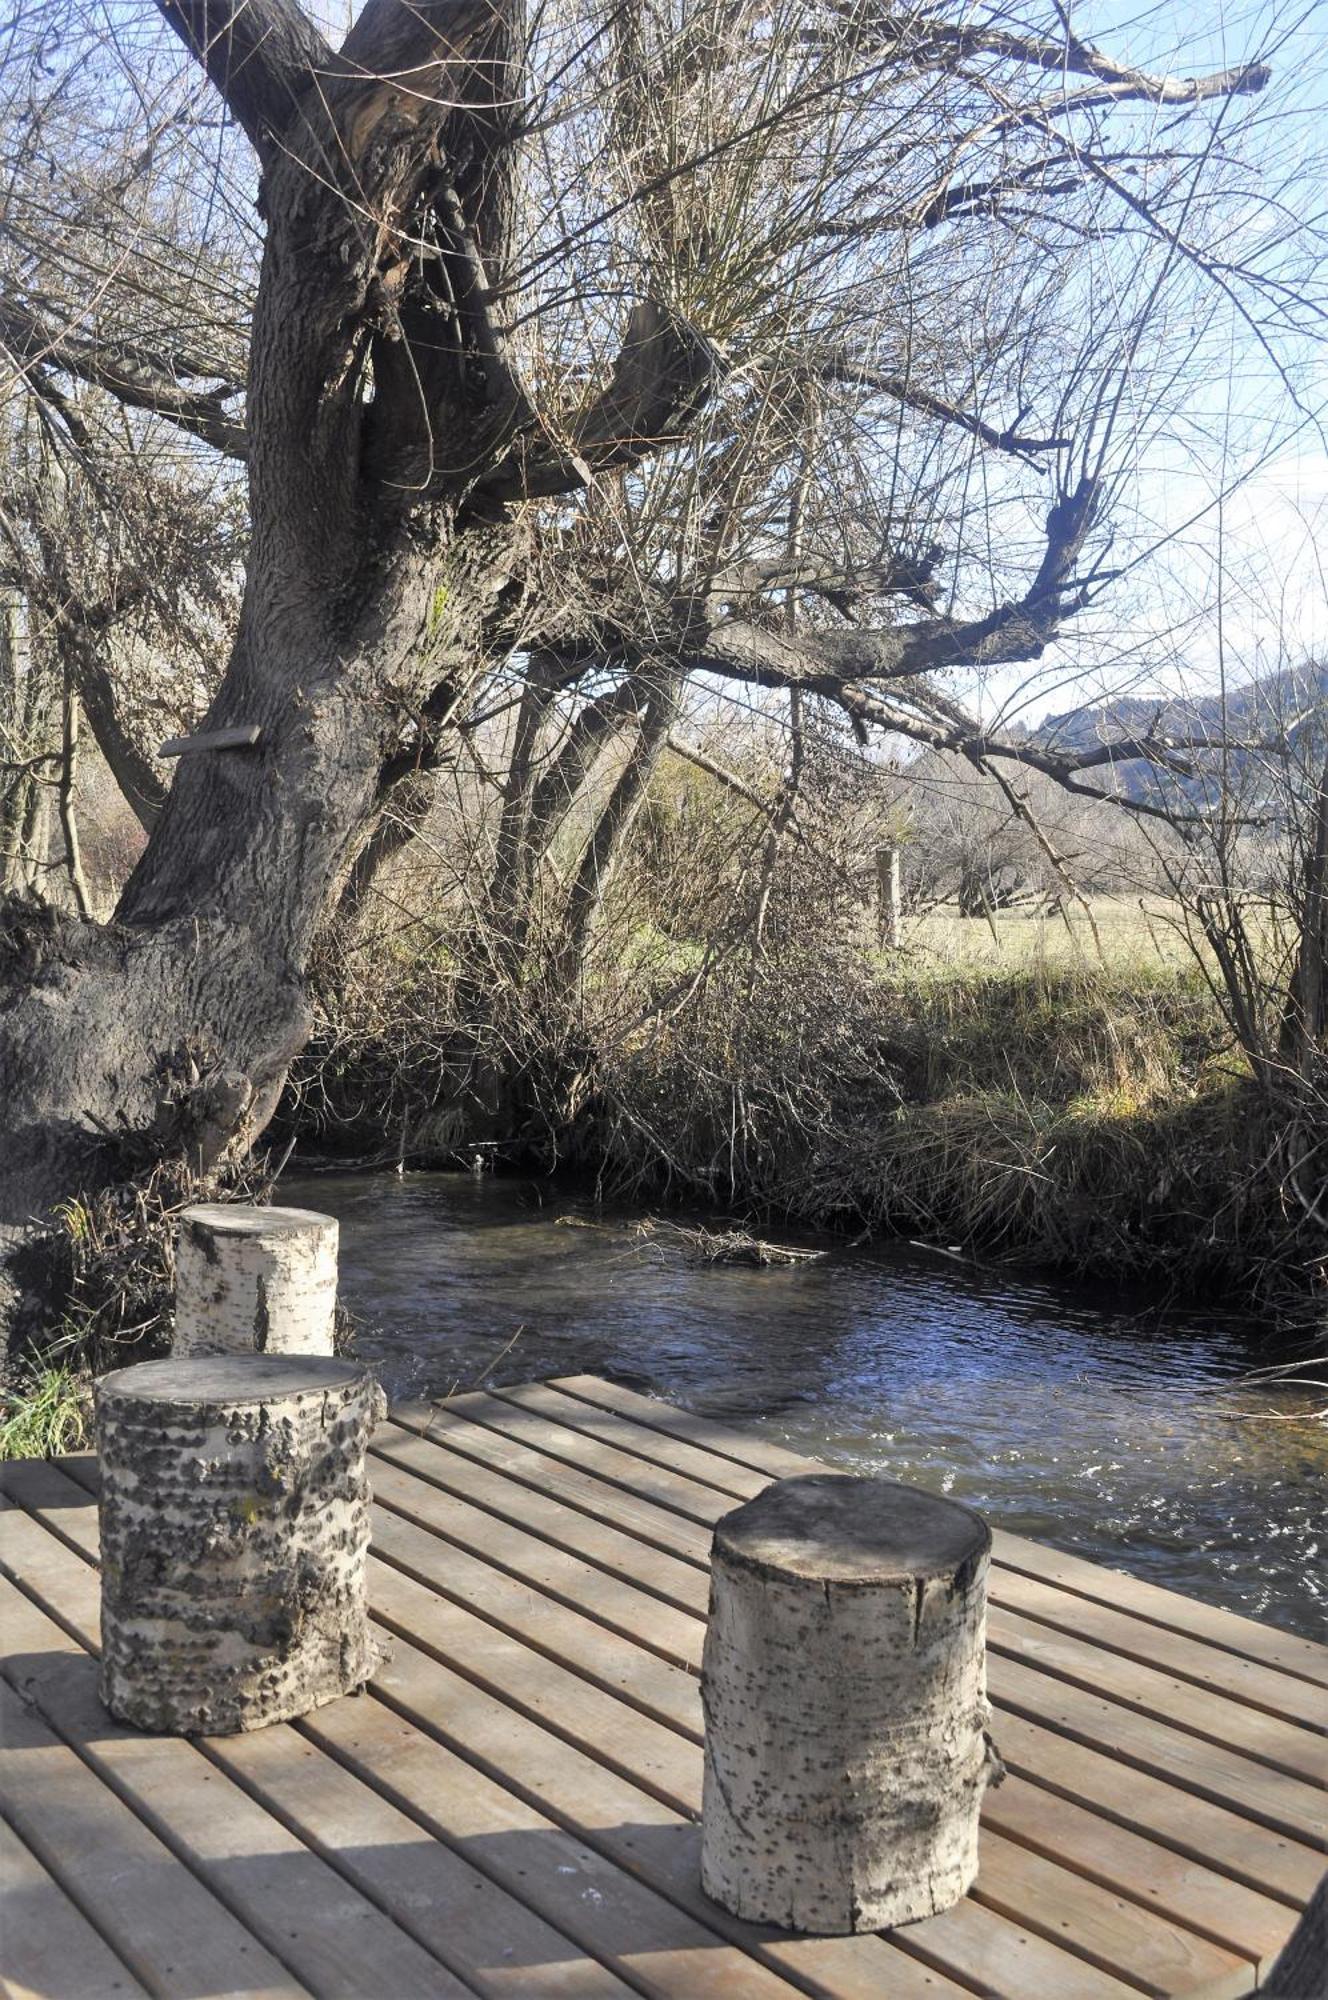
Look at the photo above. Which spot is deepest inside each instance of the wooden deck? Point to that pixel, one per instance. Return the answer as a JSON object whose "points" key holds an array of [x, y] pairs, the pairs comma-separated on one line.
{"points": [[512, 1810]]}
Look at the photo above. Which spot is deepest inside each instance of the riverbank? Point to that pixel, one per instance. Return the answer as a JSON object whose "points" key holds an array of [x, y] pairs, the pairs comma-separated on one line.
{"points": [[1074, 1116]]}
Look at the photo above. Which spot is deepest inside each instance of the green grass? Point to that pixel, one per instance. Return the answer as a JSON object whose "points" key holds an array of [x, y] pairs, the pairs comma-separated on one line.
{"points": [[46, 1410]]}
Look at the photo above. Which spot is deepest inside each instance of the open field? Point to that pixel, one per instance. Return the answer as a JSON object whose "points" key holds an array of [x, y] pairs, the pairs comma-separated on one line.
{"points": [[1147, 930]]}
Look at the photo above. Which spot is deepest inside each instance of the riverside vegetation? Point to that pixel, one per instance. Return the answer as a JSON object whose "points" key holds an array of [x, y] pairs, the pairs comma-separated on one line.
{"points": [[562, 528], [1010, 1093]]}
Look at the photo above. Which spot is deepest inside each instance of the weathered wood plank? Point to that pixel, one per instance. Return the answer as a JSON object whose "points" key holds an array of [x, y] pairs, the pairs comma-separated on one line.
{"points": [[171, 1931], [487, 1937], [1285, 1651], [630, 1610], [707, 1468], [645, 1478], [1220, 1719], [284, 1895], [553, 1761], [669, 1533], [1284, 1802], [602, 1542], [544, 1560], [653, 1947], [1289, 1806], [663, 1692], [563, 1574], [606, 1909], [49, 1949], [1249, 1681], [1259, 1858], [588, 1723]]}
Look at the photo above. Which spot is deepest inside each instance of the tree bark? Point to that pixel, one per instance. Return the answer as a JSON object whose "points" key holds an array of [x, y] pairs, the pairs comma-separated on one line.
{"points": [[1301, 1971], [254, 1281], [234, 1532], [845, 1705]]}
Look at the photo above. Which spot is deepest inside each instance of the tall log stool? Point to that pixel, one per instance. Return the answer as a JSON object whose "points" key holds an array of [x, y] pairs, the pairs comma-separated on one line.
{"points": [[234, 1530], [844, 1688], [254, 1280]]}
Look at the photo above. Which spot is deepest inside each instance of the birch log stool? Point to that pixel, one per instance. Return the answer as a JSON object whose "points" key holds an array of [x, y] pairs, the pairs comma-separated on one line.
{"points": [[844, 1688], [254, 1280], [234, 1530]]}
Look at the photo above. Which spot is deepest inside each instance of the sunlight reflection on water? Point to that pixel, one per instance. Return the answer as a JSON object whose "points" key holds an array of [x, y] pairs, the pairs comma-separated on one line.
{"points": [[1067, 1413]]}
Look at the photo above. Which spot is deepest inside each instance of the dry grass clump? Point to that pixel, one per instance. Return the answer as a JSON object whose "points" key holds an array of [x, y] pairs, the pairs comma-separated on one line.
{"points": [[1069, 1118]]}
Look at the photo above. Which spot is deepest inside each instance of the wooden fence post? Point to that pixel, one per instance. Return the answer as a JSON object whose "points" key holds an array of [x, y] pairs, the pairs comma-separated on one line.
{"points": [[889, 897]]}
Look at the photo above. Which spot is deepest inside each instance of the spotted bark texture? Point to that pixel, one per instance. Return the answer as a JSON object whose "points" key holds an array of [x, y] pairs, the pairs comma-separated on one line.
{"points": [[234, 1530], [845, 1701], [254, 1281]]}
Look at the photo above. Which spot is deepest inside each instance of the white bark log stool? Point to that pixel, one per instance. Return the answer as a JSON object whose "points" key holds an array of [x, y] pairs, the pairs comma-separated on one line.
{"points": [[844, 1686], [234, 1530], [254, 1280]]}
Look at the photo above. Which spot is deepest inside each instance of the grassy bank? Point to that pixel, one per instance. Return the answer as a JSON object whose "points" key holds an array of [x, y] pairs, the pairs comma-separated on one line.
{"points": [[1005, 1086], [1082, 1118]]}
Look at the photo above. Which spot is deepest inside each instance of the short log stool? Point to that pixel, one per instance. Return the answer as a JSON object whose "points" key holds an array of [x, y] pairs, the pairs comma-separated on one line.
{"points": [[234, 1529], [254, 1280], [844, 1688]]}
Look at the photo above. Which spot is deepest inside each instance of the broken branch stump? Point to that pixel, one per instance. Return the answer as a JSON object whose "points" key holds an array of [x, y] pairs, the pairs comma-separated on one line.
{"points": [[844, 1688], [234, 1530], [254, 1280]]}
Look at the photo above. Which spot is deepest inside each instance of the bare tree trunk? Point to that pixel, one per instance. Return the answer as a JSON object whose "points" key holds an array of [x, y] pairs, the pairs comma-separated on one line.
{"points": [[604, 847], [1305, 1022]]}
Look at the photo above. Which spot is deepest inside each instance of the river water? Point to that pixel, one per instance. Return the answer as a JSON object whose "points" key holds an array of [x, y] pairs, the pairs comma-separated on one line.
{"points": [[1082, 1419]]}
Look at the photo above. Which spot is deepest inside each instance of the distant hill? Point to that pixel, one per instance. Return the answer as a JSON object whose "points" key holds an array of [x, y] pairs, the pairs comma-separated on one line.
{"points": [[1291, 704]]}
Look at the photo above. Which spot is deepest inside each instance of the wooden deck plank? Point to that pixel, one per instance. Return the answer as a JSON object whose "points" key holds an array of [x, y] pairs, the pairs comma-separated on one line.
{"points": [[1212, 1624], [1144, 1940], [1287, 1803], [468, 1697], [48, 1949], [645, 1478], [487, 1937], [698, 1958], [659, 1529], [669, 1695], [1251, 1682], [628, 1610], [172, 1933], [623, 1922], [602, 1542], [1288, 1806], [563, 1574], [1247, 1681], [568, 1638], [533, 1750], [335, 1938], [1263, 1860], [1218, 1718], [697, 1961]]}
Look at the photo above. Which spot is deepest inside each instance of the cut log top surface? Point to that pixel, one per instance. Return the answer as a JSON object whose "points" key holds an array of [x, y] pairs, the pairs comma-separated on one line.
{"points": [[832, 1527], [225, 1219], [228, 1380]]}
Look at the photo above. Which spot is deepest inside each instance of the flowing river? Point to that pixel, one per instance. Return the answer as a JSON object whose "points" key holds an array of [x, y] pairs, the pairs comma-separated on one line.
{"points": [[1068, 1414]]}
